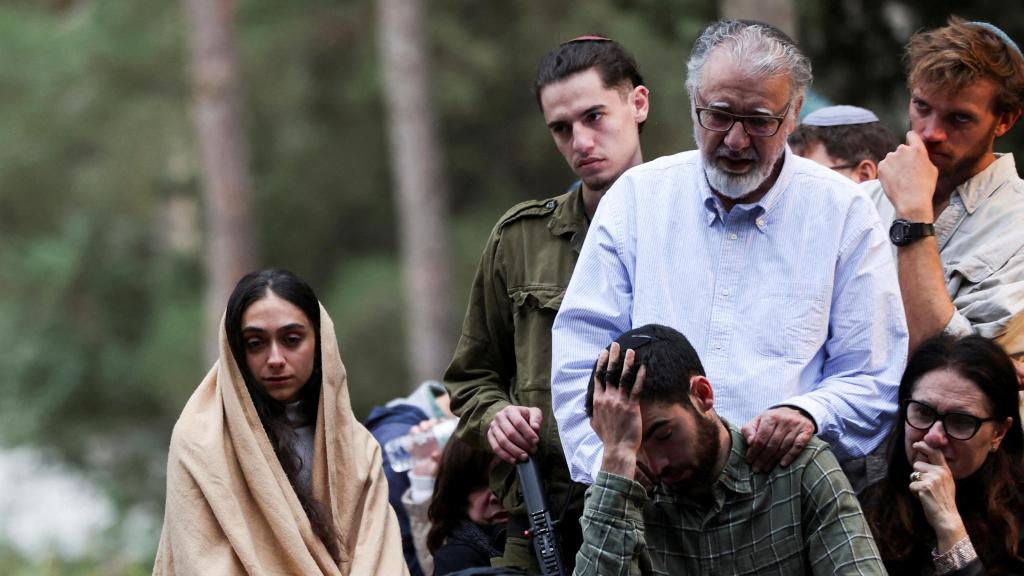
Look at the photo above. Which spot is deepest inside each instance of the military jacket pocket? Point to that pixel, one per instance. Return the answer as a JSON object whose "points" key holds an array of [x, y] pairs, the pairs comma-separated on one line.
{"points": [[534, 309]]}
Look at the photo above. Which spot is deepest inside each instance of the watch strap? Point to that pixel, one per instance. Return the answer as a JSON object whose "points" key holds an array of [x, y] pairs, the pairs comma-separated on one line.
{"points": [[918, 230]]}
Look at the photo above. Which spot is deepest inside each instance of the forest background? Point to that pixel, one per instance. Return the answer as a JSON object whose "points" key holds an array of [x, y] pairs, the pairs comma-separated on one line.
{"points": [[107, 234]]}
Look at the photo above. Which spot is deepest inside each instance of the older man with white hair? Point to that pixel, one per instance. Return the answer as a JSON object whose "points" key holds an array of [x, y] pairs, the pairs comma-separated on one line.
{"points": [[775, 267]]}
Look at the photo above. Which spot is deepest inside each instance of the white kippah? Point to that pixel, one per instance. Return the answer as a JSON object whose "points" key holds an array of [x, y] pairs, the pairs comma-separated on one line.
{"points": [[839, 116]]}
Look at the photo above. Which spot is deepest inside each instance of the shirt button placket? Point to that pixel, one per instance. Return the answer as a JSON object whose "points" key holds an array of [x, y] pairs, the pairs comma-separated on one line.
{"points": [[723, 305]]}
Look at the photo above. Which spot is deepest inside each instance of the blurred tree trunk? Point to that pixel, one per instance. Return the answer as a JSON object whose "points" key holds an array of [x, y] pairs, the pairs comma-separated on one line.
{"points": [[217, 100], [420, 190], [778, 13]]}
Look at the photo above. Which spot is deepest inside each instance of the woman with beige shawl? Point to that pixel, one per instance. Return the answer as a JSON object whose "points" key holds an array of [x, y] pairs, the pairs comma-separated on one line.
{"points": [[269, 472]]}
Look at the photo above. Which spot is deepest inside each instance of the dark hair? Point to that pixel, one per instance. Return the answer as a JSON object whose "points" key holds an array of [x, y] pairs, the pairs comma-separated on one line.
{"points": [[849, 143], [670, 360], [613, 63], [989, 500], [251, 288], [462, 470], [961, 53]]}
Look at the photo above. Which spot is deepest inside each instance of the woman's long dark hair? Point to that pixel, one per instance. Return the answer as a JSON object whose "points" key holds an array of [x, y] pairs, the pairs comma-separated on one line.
{"points": [[991, 499], [287, 286], [462, 470]]}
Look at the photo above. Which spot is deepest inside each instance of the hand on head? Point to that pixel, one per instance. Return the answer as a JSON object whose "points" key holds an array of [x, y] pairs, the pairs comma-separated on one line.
{"points": [[776, 437], [616, 418]]}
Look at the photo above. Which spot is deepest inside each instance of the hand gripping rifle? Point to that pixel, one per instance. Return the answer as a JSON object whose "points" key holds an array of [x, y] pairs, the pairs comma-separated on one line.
{"points": [[542, 527]]}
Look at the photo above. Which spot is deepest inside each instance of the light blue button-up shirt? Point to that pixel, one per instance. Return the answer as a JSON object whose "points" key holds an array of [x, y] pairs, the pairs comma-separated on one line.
{"points": [[791, 300]]}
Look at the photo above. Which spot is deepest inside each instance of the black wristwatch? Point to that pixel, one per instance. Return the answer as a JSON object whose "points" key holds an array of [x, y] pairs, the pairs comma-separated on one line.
{"points": [[903, 232]]}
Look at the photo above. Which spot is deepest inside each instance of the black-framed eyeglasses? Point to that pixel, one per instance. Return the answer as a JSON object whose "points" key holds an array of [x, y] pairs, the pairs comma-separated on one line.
{"points": [[958, 425], [721, 121], [845, 166]]}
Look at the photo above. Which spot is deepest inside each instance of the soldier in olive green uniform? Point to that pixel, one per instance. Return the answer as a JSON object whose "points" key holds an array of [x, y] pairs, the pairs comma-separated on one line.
{"points": [[594, 104]]}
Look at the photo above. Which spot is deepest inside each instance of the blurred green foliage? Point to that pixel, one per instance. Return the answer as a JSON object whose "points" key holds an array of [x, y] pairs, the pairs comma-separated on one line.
{"points": [[100, 212], [14, 563]]}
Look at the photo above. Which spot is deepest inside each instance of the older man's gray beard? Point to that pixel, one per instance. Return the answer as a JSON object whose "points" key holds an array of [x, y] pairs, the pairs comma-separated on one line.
{"points": [[735, 186]]}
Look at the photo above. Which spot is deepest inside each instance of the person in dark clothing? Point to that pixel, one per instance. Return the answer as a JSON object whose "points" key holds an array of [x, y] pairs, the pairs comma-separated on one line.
{"points": [[467, 519], [394, 420], [953, 501]]}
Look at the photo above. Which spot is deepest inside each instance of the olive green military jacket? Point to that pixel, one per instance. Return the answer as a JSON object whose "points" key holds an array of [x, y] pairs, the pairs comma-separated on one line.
{"points": [[504, 354]]}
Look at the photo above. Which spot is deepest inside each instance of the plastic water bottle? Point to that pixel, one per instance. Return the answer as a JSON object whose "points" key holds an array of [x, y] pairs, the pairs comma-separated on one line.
{"points": [[400, 451]]}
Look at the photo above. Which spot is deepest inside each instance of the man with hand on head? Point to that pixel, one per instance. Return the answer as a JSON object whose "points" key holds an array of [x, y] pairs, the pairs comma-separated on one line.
{"points": [[848, 139], [710, 512], [776, 268], [594, 104], [955, 206]]}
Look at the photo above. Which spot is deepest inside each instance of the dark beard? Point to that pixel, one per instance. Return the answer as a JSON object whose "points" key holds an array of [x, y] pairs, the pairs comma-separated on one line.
{"points": [[959, 172], [707, 447]]}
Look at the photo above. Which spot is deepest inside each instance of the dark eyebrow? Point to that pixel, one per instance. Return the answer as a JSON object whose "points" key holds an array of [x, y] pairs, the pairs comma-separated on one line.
{"points": [[955, 410], [285, 328], [658, 425], [591, 110]]}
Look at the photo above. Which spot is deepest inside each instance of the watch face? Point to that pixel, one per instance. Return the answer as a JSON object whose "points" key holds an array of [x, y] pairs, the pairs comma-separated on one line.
{"points": [[898, 233]]}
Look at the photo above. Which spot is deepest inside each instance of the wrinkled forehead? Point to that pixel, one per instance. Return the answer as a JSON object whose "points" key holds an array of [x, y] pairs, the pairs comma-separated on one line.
{"points": [[731, 83]]}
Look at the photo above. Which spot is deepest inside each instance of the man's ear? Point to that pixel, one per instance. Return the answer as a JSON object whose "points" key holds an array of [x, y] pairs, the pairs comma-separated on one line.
{"points": [[701, 393], [639, 100], [865, 170], [1005, 121]]}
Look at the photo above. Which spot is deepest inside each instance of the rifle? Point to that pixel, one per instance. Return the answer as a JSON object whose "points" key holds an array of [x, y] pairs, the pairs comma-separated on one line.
{"points": [[542, 527]]}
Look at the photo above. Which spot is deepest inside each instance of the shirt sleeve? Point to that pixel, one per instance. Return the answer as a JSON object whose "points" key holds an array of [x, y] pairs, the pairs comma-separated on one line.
{"points": [[613, 528], [838, 538], [855, 400], [596, 309], [987, 306], [478, 376]]}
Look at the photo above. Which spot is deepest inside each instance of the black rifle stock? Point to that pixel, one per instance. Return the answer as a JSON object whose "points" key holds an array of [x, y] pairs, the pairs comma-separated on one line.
{"points": [[542, 528]]}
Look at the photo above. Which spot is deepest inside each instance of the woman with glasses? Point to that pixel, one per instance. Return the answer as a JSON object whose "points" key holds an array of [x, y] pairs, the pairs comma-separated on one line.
{"points": [[953, 500]]}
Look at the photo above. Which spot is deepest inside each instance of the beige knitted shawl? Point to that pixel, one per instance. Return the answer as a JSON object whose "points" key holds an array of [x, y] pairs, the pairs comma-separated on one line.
{"points": [[230, 508]]}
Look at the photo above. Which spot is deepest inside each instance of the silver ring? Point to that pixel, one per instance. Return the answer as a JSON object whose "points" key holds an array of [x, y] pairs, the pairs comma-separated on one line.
{"points": [[915, 476]]}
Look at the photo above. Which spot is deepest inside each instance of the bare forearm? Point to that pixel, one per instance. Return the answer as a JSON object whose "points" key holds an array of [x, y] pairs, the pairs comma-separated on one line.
{"points": [[923, 288], [620, 462]]}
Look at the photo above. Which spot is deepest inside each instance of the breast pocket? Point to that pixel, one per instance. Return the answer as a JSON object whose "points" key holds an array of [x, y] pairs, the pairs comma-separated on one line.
{"points": [[534, 310], [792, 320]]}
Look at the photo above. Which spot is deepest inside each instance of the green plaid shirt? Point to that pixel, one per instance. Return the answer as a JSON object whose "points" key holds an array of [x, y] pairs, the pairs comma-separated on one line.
{"points": [[796, 520]]}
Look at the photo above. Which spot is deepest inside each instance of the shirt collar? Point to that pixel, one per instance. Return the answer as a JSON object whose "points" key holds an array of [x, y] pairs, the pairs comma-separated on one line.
{"points": [[569, 216], [979, 187], [735, 476], [760, 210]]}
